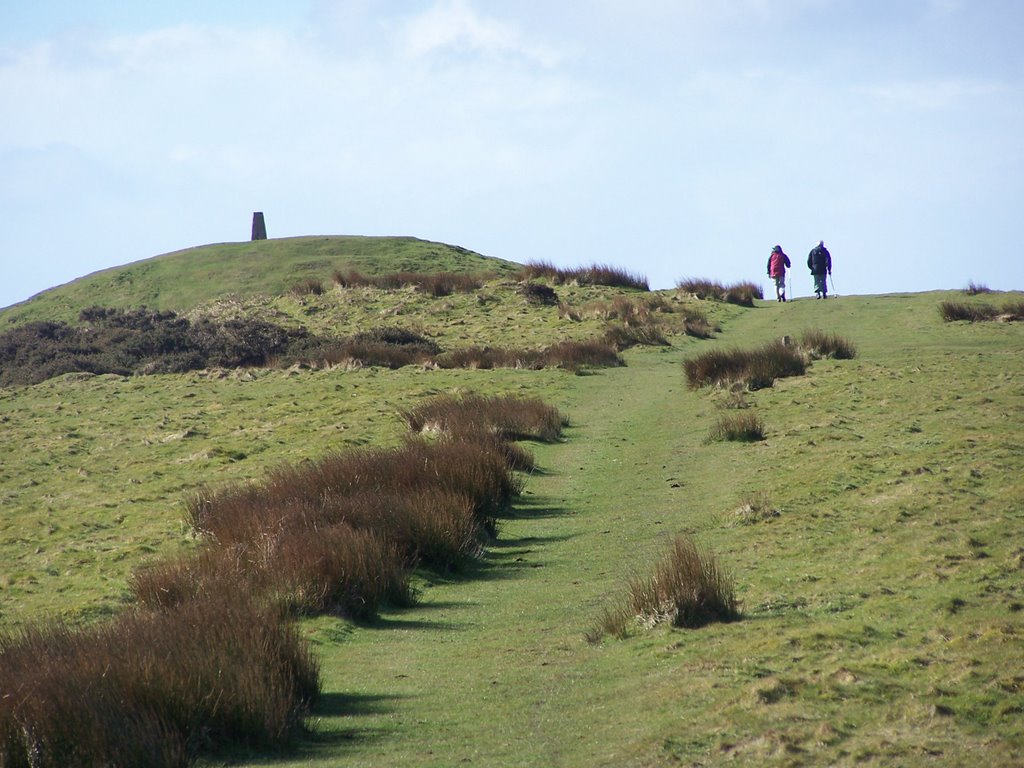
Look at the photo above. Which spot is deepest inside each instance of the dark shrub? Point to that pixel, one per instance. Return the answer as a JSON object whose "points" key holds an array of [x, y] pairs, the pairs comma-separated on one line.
{"points": [[114, 341], [973, 289], [538, 293], [127, 342], [237, 343], [386, 347], [399, 337]]}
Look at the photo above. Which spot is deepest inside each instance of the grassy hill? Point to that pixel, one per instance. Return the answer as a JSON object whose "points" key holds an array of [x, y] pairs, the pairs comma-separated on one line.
{"points": [[181, 280], [873, 535]]}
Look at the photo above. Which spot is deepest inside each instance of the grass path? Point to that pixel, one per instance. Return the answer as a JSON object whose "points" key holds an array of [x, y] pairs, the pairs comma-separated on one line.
{"points": [[495, 666], [866, 637]]}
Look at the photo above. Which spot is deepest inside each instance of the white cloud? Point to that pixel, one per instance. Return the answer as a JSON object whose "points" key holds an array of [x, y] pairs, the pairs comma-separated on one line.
{"points": [[930, 94], [455, 26]]}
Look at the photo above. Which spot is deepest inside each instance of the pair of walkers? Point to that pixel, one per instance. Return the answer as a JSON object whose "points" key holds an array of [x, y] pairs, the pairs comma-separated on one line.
{"points": [[819, 261]]}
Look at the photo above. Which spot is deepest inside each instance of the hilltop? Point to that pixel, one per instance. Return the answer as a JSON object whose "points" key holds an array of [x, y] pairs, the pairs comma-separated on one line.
{"points": [[183, 279], [872, 531]]}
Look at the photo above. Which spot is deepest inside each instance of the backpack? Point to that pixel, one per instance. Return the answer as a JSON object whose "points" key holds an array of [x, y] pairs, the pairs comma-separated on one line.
{"points": [[777, 264]]}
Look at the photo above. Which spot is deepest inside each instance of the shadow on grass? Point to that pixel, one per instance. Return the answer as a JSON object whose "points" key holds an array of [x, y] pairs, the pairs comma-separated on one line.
{"points": [[321, 739], [531, 509], [387, 623], [338, 704]]}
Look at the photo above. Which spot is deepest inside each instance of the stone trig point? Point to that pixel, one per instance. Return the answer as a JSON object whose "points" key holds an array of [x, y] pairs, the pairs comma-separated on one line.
{"points": [[259, 226]]}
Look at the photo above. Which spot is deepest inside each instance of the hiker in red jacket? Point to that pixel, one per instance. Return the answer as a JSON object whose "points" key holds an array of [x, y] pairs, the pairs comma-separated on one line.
{"points": [[777, 263]]}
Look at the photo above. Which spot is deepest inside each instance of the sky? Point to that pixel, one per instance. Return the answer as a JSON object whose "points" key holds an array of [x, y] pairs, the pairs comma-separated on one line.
{"points": [[672, 138]]}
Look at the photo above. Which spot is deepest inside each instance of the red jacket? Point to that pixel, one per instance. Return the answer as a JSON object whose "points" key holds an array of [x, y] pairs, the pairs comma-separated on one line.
{"points": [[777, 264]]}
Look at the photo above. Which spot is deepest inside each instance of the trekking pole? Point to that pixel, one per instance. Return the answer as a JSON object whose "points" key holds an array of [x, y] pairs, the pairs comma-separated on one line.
{"points": [[790, 276], [832, 284]]}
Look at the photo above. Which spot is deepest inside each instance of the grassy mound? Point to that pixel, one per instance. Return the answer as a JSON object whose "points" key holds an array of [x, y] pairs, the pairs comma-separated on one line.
{"points": [[184, 279]]}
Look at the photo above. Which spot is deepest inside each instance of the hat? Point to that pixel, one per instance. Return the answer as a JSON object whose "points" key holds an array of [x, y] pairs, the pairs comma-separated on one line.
{"points": [[777, 249]]}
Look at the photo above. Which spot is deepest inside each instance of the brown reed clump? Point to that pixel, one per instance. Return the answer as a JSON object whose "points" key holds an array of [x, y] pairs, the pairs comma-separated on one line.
{"points": [[513, 418], [755, 369], [688, 589], [742, 293], [738, 427], [951, 311], [153, 688], [434, 284], [818, 344], [570, 355], [595, 274], [308, 287], [336, 568], [241, 513]]}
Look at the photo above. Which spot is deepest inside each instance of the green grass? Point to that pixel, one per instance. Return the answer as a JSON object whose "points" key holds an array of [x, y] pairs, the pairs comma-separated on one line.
{"points": [[881, 607], [183, 279]]}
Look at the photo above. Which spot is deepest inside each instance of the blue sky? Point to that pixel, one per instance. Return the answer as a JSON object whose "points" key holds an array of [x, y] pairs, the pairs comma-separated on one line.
{"points": [[676, 138]]}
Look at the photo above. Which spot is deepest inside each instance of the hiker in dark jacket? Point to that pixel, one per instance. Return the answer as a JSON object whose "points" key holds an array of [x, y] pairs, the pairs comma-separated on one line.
{"points": [[777, 264], [819, 261]]}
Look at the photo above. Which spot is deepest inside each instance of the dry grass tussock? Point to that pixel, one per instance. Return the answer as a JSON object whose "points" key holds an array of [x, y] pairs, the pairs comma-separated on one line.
{"points": [[738, 427], [513, 418], [595, 274], [640, 320], [687, 589], [756, 509], [308, 287], [741, 294], [437, 285], [818, 344], [153, 688], [301, 495], [953, 311], [570, 355], [755, 369], [337, 568], [758, 368]]}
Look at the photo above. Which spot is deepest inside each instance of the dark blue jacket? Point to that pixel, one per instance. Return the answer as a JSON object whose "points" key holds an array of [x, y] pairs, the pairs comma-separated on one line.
{"points": [[819, 260]]}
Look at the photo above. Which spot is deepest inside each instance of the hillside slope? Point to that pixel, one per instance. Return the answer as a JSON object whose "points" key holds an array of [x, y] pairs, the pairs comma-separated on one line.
{"points": [[883, 605], [183, 279], [882, 597]]}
